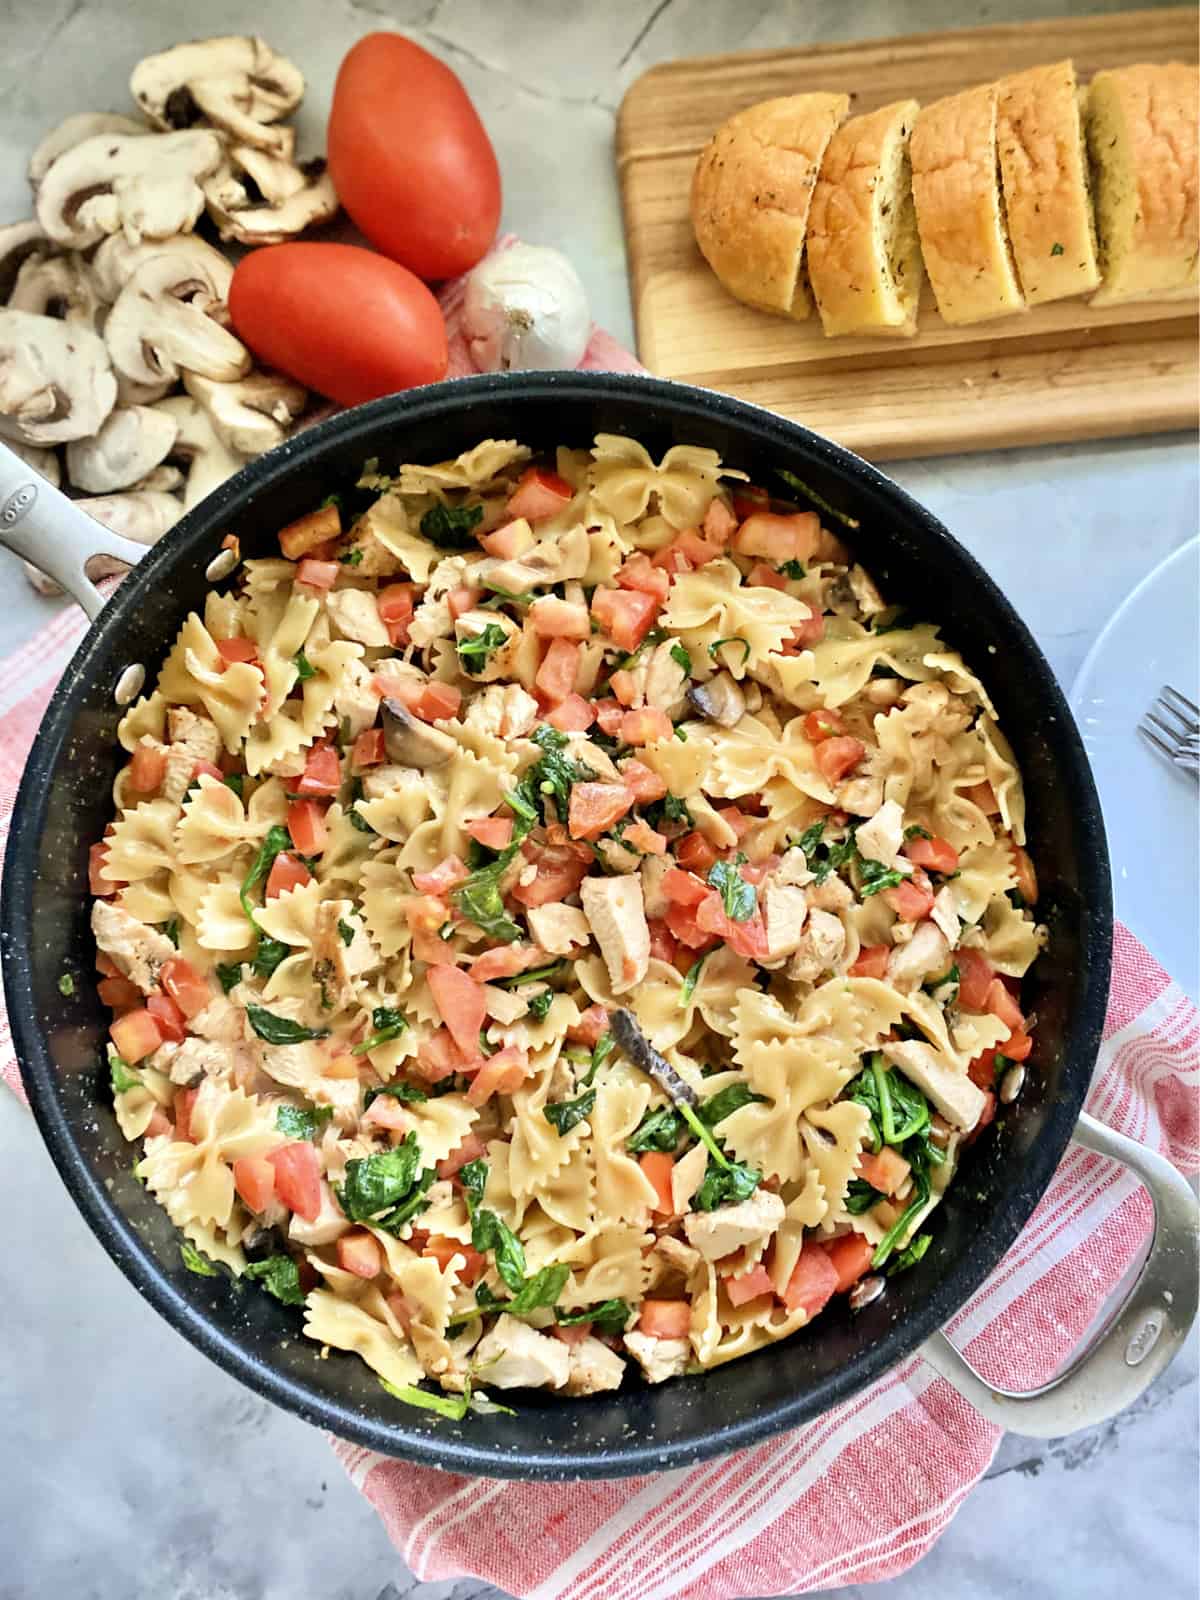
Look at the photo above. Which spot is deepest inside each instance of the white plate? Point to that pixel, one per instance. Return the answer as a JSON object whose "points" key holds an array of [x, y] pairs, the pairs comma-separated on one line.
{"points": [[1151, 810]]}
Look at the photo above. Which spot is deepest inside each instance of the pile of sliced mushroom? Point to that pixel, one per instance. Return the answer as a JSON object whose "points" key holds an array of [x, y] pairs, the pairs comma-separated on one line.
{"points": [[120, 379]]}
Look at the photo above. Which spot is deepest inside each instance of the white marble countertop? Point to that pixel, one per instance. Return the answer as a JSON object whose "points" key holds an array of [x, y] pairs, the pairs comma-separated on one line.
{"points": [[134, 1467]]}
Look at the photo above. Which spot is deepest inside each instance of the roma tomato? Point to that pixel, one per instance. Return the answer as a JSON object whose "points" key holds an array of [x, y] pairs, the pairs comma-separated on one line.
{"points": [[410, 159], [340, 319]]}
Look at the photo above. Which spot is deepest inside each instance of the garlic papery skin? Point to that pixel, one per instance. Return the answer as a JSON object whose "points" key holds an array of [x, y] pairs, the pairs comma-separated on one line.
{"points": [[525, 310]]}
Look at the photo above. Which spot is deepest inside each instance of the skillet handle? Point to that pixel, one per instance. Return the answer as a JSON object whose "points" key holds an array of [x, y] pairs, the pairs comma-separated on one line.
{"points": [[1142, 1337], [42, 526]]}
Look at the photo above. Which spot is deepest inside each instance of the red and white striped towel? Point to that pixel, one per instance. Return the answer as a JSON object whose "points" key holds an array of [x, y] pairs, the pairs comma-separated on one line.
{"points": [[801, 1512]]}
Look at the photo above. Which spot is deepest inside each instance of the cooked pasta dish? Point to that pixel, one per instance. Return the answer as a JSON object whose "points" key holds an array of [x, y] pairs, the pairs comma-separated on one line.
{"points": [[560, 921]]}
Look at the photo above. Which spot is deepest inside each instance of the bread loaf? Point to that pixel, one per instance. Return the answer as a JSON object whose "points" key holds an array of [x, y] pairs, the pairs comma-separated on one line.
{"points": [[751, 195], [1043, 165], [960, 214], [864, 261], [1141, 135]]}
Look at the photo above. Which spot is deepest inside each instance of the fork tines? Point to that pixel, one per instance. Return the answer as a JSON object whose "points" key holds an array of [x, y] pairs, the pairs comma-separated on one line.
{"points": [[1172, 726]]}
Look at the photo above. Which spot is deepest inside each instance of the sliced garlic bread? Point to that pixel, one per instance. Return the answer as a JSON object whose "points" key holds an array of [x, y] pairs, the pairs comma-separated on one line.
{"points": [[960, 212], [1043, 165], [1141, 136], [751, 195], [864, 260]]}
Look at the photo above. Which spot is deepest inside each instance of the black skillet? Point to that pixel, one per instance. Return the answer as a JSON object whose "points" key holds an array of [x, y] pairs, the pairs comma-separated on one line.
{"points": [[65, 802]]}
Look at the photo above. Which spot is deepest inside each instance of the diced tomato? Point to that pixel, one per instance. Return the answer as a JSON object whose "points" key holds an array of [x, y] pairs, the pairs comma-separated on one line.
{"points": [[643, 783], [985, 1116], [720, 524], [625, 687], [505, 961], [646, 726], [254, 1180], [188, 988], [975, 974], [645, 838], [159, 1124], [317, 575], [553, 618], [306, 824], [820, 725], [493, 833], [461, 1004], [871, 962], [805, 634], [1018, 1045], [850, 1255], [590, 1028], [779, 538], [626, 615], [665, 1319], [756, 871], [747, 499], [301, 536], [695, 854], [385, 1112], [748, 938], [460, 601], [106, 966], [837, 756], [886, 1170], [935, 855], [911, 901], [136, 1034], [182, 1108], [322, 772], [344, 1066], [510, 541], [696, 551], [502, 1073], [608, 715], [442, 1249], [119, 993], [287, 872], [573, 714], [560, 871], [1027, 883], [735, 818], [426, 915], [539, 493], [573, 1333], [439, 1057], [473, 1148], [207, 769], [657, 1168], [595, 807], [432, 702], [368, 750], [762, 576], [638, 573], [396, 602], [748, 1286], [982, 1070], [1002, 1005], [439, 880], [100, 886], [983, 796], [148, 768], [237, 649], [813, 1281], [672, 561], [360, 1252], [662, 941], [684, 888], [556, 675], [692, 938], [298, 1177]]}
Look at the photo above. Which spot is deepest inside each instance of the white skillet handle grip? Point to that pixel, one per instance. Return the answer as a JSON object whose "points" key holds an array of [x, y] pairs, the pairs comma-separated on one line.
{"points": [[42, 526], [1142, 1337]]}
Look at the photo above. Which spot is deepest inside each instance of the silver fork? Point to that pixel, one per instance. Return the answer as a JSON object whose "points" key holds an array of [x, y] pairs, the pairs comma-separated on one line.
{"points": [[1172, 726]]}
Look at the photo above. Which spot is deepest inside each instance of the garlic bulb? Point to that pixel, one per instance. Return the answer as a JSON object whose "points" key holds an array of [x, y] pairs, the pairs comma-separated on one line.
{"points": [[525, 310]]}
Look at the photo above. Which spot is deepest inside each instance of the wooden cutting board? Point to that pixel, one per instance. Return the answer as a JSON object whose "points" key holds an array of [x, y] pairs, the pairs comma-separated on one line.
{"points": [[1058, 372]]}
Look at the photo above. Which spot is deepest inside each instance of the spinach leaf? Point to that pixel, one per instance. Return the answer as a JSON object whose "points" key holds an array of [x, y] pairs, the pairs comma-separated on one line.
{"points": [[389, 1188], [916, 831], [473, 652], [228, 974], [543, 1289], [304, 667], [268, 954], [280, 1276], [345, 933], [479, 900], [473, 1178], [874, 877], [913, 1254], [388, 1023], [610, 1315], [489, 1232], [539, 1004], [567, 1114], [277, 839], [734, 638], [281, 1030], [195, 1262], [451, 527], [406, 1093], [235, 781], [119, 1075], [725, 1185], [793, 482], [552, 969], [604, 1047], [503, 597], [737, 896], [661, 1128], [681, 658], [357, 820], [454, 1406], [297, 1122], [793, 569], [691, 978], [861, 1197], [171, 929], [351, 558], [725, 1102]]}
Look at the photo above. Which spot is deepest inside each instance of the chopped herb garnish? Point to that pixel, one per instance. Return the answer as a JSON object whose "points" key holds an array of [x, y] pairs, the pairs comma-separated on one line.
{"points": [[734, 638], [281, 1030], [351, 558], [738, 897], [451, 527], [916, 831], [345, 933], [681, 658], [195, 1262], [794, 570], [793, 482], [119, 1075], [1056, 249], [66, 985], [280, 1276], [567, 1114]]}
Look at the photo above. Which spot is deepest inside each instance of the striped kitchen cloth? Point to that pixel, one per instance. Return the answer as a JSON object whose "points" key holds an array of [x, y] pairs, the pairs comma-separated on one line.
{"points": [[801, 1512]]}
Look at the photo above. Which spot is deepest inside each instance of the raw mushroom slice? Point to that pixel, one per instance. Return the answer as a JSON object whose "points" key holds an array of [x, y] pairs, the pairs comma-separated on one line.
{"points": [[56, 380], [252, 415], [162, 480], [149, 186], [163, 321], [116, 261], [144, 516], [57, 286], [272, 201], [21, 242], [238, 83], [209, 461], [74, 130], [132, 441]]}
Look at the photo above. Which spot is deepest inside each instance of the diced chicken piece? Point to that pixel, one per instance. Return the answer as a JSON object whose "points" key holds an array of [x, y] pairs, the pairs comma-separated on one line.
{"points": [[378, 781], [821, 947], [290, 765], [579, 748], [617, 916], [659, 1359], [835, 894], [221, 1021], [945, 914], [344, 1096], [558, 929], [377, 561], [199, 1058], [883, 692], [677, 1255], [870, 601], [192, 738], [356, 701], [355, 615], [880, 837], [616, 857], [926, 955], [719, 1233], [653, 870], [934, 709], [137, 949], [505, 1005], [504, 710], [515, 1356], [666, 679], [686, 1177], [952, 1093], [861, 797], [328, 1225], [432, 619], [785, 907], [336, 962], [793, 867], [593, 1368]]}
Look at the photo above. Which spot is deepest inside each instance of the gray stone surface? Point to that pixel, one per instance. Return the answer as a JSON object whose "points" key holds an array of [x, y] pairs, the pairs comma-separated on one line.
{"points": [[131, 1466]]}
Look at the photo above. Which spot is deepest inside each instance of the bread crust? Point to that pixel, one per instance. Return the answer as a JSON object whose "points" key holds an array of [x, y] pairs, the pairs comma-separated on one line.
{"points": [[960, 212], [1043, 163], [860, 200], [751, 196]]}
